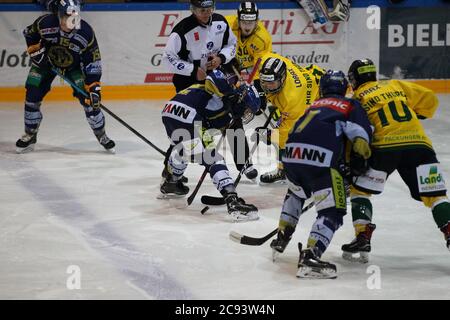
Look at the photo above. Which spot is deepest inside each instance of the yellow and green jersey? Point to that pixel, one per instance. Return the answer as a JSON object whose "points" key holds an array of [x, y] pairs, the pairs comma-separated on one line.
{"points": [[393, 108], [300, 89], [250, 48]]}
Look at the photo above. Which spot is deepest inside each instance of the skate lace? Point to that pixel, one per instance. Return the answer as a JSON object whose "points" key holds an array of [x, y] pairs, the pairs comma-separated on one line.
{"points": [[27, 137], [104, 139]]}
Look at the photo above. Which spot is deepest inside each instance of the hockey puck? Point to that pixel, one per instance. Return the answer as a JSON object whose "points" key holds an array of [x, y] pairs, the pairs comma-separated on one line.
{"points": [[204, 210]]}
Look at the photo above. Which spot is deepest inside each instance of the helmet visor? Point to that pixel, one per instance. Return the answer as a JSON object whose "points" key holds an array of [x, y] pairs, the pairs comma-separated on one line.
{"points": [[270, 86], [71, 18]]}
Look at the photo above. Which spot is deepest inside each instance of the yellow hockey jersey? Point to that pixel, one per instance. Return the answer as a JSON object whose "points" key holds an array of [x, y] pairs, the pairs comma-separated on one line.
{"points": [[300, 89], [249, 49], [393, 108]]}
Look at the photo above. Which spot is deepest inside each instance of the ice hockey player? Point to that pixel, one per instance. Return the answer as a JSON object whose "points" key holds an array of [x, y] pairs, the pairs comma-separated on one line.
{"points": [[189, 117], [395, 109], [291, 89], [253, 41], [198, 44], [312, 160], [67, 43]]}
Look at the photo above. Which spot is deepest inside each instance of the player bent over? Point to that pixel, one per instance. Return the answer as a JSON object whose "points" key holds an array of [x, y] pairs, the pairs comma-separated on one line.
{"points": [[291, 89], [395, 108], [188, 117], [312, 160], [63, 41]]}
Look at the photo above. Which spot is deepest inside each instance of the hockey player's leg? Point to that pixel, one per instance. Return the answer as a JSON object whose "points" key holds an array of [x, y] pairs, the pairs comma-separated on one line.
{"points": [[238, 209], [440, 207], [358, 249], [240, 149], [164, 173], [37, 86], [423, 175], [330, 198], [94, 116], [172, 185], [310, 265], [290, 213]]}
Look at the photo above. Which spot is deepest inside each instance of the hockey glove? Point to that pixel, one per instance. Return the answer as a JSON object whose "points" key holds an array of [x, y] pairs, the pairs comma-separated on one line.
{"points": [[262, 134], [358, 157], [94, 96], [38, 55], [262, 97]]}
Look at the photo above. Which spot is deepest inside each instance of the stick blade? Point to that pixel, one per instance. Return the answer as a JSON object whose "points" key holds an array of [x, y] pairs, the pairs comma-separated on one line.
{"points": [[235, 236]]}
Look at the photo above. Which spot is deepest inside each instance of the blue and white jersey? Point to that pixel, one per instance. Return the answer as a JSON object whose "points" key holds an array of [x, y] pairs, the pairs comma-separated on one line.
{"points": [[318, 138]]}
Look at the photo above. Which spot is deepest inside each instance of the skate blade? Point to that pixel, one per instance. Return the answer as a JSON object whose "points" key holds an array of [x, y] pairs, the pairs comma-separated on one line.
{"points": [[305, 272], [250, 216], [165, 196], [361, 257], [25, 150], [275, 255], [111, 151], [278, 182]]}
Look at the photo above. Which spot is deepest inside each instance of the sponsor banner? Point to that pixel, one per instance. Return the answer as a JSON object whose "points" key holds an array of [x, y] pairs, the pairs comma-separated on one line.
{"points": [[132, 42], [415, 44]]}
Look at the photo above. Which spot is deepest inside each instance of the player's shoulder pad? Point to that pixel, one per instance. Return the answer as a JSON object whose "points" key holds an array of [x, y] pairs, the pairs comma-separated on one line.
{"points": [[218, 17], [216, 83], [185, 25], [85, 35], [49, 20]]}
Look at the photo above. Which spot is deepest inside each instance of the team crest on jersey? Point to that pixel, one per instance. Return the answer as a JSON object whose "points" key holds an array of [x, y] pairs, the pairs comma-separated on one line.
{"points": [[210, 45], [180, 66], [60, 56], [305, 153], [179, 111]]}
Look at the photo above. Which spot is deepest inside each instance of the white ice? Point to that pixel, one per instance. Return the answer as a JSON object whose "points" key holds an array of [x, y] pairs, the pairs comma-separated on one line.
{"points": [[69, 203]]}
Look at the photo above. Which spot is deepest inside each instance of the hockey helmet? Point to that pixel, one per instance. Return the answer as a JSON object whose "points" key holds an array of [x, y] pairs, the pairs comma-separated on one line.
{"points": [[362, 71], [333, 82], [272, 75], [203, 4], [248, 11], [69, 13]]}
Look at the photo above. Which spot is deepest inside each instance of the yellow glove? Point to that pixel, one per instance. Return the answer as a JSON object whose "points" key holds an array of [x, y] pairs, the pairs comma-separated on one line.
{"points": [[361, 147]]}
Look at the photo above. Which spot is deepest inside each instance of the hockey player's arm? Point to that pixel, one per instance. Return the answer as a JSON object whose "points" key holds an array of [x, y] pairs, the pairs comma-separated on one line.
{"points": [[228, 51], [358, 130], [422, 100], [35, 44], [92, 68], [172, 60]]}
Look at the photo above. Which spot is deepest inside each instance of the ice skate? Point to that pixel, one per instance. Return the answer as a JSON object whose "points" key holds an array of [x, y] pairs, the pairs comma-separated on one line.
{"points": [[358, 250], [275, 176], [106, 142], [280, 243], [172, 189], [26, 143], [239, 210], [311, 267]]}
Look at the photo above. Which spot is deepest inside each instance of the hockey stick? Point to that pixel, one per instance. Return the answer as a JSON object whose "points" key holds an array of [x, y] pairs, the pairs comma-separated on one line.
{"points": [[202, 177], [217, 201], [251, 241], [82, 92]]}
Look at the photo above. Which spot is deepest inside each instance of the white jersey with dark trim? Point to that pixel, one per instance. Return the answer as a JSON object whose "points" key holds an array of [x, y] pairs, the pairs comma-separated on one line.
{"points": [[191, 43]]}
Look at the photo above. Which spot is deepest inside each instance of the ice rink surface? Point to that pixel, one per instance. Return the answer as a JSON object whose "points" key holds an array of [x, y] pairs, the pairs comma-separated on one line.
{"points": [[69, 204]]}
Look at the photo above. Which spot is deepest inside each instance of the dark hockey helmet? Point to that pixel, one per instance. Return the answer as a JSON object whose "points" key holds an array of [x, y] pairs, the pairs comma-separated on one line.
{"points": [[69, 13], [248, 11], [272, 75], [203, 3], [333, 83], [362, 71]]}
